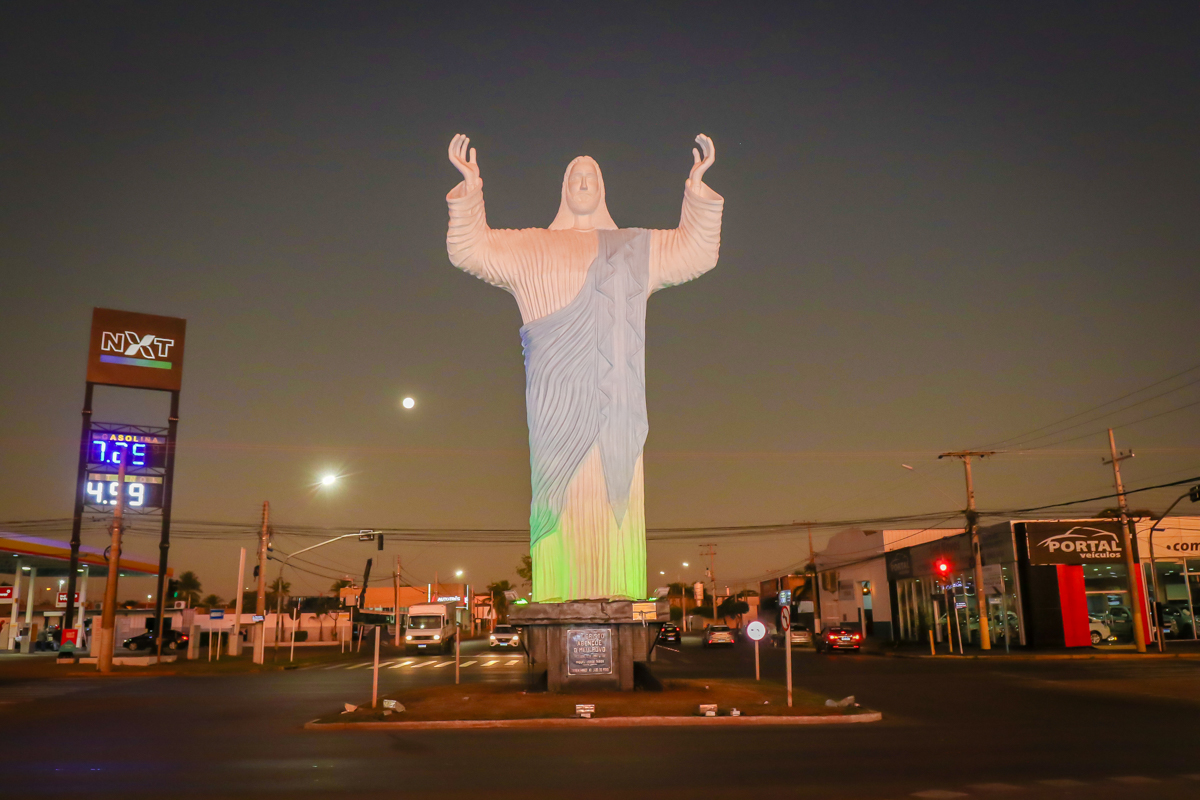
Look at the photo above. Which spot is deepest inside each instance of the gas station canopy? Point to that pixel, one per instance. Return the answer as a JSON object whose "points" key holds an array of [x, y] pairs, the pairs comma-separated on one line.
{"points": [[53, 558]]}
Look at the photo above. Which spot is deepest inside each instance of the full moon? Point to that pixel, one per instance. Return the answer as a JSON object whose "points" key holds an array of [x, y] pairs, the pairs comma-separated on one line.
{"points": [[408, 402]]}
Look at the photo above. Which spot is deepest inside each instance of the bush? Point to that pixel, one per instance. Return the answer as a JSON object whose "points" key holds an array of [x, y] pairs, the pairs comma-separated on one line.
{"points": [[676, 613], [301, 636]]}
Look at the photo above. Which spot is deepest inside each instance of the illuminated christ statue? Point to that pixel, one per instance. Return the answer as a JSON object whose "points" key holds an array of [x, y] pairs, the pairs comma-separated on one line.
{"points": [[581, 286]]}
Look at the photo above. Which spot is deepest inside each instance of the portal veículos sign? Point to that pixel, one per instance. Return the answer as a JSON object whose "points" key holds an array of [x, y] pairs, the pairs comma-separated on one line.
{"points": [[1074, 542]]}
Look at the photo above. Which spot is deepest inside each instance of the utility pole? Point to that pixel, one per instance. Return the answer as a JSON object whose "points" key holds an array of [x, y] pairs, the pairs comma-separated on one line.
{"points": [[1127, 535], [711, 552], [985, 633], [814, 587], [260, 604], [396, 610], [108, 616]]}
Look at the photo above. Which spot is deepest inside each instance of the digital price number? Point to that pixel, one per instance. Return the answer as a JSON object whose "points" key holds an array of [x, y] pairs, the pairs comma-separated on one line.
{"points": [[135, 451], [141, 491]]}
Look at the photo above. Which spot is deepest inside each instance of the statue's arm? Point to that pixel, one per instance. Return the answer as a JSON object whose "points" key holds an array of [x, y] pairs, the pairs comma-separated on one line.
{"points": [[689, 251], [472, 246]]}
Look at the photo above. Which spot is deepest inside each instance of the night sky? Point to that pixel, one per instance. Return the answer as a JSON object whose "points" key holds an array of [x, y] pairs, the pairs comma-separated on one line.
{"points": [[945, 226]]}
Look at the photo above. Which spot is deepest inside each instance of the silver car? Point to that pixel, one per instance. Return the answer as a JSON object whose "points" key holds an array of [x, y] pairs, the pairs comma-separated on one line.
{"points": [[504, 636]]}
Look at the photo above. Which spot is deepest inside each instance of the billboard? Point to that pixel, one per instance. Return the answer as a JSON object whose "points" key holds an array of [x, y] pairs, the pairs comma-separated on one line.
{"points": [[1078, 542], [141, 351]]}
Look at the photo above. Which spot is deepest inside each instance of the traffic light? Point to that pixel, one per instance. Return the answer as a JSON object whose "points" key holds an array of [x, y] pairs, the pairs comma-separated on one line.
{"points": [[1194, 494], [172, 588], [942, 567], [380, 540]]}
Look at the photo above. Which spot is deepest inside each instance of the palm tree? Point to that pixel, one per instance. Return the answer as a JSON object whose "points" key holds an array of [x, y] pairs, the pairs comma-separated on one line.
{"points": [[212, 601], [499, 601], [278, 588], [189, 588]]}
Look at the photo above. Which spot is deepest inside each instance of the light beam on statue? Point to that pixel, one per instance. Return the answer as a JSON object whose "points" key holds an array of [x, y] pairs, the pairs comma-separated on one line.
{"points": [[581, 286]]}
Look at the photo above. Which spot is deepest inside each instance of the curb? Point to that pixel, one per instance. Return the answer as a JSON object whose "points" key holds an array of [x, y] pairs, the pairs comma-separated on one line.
{"points": [[595, 722], [1051, 656]]}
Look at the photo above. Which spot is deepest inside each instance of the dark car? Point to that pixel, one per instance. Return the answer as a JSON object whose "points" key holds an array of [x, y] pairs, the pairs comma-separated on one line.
{"points": [[832, 639], [173, 640], [670, 633]]}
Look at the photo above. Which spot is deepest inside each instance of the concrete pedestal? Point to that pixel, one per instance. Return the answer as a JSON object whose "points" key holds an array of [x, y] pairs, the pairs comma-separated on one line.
{"points": [[590, 644]]}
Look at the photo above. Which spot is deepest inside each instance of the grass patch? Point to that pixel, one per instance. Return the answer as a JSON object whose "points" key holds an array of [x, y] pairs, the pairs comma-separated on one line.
{"points": [[679, 698]]}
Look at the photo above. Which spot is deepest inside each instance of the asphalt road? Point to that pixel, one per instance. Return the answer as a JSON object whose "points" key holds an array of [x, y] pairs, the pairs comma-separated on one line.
{"points": [[952, 728]]}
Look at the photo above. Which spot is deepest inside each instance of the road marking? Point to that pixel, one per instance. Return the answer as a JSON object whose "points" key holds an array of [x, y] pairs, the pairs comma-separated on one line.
{"points": [[514, 661], [489, 663], [995, 787], [444, 664], [422, 664], [400, 664], [364, 664], [1134, 779], [336, 666], [468, 663], [939, 794], [383, 664]]}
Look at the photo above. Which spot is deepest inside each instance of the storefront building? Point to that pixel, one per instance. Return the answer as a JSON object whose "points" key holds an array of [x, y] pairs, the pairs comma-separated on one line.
{"points": [[1171, 563], [1047, 583], [853, 579]]}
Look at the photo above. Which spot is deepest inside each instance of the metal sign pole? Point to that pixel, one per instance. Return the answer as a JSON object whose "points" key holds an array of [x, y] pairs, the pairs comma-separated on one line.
{"points": [[77, 521], [164, 544], [375, 669], [787, 649]]}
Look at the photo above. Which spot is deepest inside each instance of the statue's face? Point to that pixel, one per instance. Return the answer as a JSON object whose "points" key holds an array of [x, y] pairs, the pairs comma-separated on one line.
{"points": [[583, 188]]}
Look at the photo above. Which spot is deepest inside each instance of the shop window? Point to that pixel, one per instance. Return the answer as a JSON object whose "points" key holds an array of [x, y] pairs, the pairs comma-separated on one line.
{"points": [[1110, 610]]}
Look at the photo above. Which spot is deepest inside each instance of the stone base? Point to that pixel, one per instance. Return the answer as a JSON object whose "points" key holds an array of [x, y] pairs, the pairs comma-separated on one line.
{"points": [[590, 644]]}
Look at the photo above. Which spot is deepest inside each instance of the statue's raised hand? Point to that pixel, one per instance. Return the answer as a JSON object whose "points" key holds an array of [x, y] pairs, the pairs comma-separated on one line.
{"points": [[701, 165], [465, 163]]}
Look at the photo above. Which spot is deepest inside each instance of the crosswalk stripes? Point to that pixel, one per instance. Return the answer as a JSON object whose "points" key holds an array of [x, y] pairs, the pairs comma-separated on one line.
{"points": [[419, 664]]}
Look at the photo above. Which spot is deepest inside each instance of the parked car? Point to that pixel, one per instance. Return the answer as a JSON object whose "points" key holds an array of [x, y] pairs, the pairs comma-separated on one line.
{"points": [[670, 633], [838, 639], [1099, 631], [718, 634], [172, 640], [504, 636], [801, 635]]}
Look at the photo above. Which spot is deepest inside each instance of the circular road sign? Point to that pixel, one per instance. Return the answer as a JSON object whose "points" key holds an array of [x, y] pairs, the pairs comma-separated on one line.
{"points": [[785, 619], [756, 630]]}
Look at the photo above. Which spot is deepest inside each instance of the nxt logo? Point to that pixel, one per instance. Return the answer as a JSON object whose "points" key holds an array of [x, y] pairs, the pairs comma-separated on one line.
{"points": [[136, 350]]}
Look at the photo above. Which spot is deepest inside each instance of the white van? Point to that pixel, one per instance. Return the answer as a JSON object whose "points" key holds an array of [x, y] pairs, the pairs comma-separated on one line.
{"points": [[431, 627]]}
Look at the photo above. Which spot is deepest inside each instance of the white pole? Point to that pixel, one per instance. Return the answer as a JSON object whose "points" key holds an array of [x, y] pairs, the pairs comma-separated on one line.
{"points": [[81, 639], [375, 671], [235, 642], [757, 675], [30, 600], [16, 604], [457, 636]]}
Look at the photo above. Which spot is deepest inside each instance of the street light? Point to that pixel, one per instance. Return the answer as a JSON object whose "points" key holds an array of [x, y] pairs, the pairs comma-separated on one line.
{"points": [[458, 573], [329, 480], [408, 403]]}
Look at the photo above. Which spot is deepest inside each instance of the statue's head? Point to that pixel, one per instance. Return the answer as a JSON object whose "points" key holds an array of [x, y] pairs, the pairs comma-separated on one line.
{"points": [[583, 207], [583, 186]]}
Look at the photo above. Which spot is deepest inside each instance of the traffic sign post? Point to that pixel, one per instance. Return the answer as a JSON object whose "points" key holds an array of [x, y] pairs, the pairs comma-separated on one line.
{"points": [[785, 621], [756, 631]]}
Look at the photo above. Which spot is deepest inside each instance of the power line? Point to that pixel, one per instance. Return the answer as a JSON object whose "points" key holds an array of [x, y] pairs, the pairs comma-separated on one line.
{"points": [[1102, 405], [1114, 427]]}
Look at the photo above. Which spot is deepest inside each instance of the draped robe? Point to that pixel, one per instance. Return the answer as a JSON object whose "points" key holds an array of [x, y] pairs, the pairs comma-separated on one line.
{"points": [[582, 297]]}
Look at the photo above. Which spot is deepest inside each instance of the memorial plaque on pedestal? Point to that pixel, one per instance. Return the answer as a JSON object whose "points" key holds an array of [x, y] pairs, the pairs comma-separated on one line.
{"points": [[589, 651]]}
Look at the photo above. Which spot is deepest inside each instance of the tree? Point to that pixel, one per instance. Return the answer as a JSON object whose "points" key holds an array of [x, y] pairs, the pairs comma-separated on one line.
{"points": [[278, 587], [496, 590], [189, 588], [211, 601], [525, 571], [324, 607], [732, 607]]}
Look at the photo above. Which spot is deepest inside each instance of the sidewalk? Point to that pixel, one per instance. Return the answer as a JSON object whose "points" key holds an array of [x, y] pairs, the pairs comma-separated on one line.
{"points": [[1186, 649]]}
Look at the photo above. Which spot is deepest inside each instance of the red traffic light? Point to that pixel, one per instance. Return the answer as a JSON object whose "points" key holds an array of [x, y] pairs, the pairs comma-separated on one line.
{"points": [[942, 566]]}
